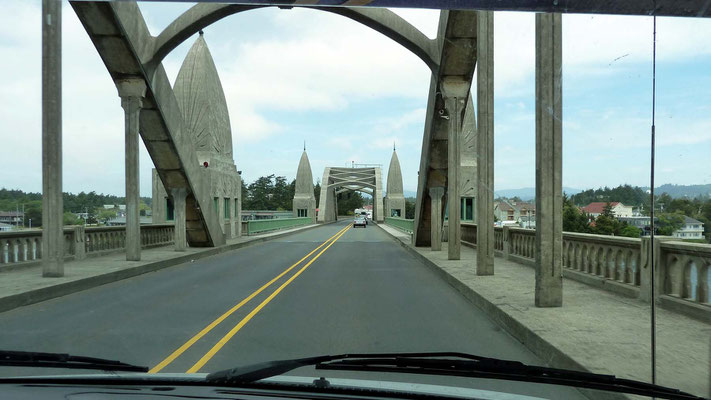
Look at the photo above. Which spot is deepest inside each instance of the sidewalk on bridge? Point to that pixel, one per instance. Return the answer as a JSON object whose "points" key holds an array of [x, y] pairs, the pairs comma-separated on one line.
{"points": [[595, 330], [20, 287]]}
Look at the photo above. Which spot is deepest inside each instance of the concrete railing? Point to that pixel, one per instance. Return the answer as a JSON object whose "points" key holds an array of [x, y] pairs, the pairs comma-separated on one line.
{"points": [[616, 264], [405, 225], [684, 276], [22, 248], [469, 236], [265, 225]]}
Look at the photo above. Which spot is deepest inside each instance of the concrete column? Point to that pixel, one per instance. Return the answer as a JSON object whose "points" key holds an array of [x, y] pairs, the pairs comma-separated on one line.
{"points": [[180, 236], [52, 203], [645, 270], [455, 93], [238, 233], [549, 138], [485, 143], [436, 194], [233, 217], [132, 92]]}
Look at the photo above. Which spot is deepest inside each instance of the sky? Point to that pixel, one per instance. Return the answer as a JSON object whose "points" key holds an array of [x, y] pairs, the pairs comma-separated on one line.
{"points": [[295, 76]]}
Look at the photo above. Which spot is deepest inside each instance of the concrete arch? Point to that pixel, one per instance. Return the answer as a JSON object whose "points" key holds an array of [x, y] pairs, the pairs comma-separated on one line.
{"points": [[381, 20], [338, 180]]}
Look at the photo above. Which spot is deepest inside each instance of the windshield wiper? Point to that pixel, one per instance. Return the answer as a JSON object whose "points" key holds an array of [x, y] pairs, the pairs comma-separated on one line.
{"points": [[58, 360], [449, 364]]}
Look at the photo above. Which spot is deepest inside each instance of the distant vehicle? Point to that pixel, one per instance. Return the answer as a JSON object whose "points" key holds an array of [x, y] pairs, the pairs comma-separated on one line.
{"points": [[362, 212], [359, 221]]}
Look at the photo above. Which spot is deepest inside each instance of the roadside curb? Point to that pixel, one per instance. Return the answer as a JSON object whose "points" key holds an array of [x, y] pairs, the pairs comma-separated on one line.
{"points": [[8, 303], [543, 349]]}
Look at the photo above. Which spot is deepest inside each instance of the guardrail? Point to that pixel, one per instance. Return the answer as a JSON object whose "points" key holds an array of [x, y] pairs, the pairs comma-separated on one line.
{"points": [[403, 224], [266, 225], [24, 248], [616, 263], [684, 276]]}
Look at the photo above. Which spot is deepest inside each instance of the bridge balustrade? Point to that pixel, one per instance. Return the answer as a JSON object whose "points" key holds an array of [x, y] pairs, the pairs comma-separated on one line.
{"points": [[614, 263], [403, 224], [24, 248], [265, 225], [685, 273]]}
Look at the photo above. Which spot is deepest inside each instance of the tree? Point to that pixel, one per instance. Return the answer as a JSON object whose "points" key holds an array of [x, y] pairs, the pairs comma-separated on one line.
{"points": [[410, 208], [317, 192], [606, 225], [630, 231], [72, 219], [607, 210], [573, 219], [103, 215], [349, 201], [260, 193], [667, 223]]}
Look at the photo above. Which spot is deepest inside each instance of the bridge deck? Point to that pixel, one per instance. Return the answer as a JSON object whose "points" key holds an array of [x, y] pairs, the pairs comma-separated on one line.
{"points": [[363, 293]]}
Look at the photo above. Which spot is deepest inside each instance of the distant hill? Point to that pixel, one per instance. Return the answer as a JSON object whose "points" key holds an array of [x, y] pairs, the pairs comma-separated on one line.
{"points": [[676, 191]]}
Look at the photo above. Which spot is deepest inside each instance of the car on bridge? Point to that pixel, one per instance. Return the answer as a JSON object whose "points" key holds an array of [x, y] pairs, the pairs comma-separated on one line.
{"points": [[360, 221]]}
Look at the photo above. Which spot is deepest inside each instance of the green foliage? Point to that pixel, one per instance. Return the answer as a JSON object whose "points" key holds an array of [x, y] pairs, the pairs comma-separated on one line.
{"points": [[667, 223], [317, 193], [75, 203], [349, 201], [410, 207], [33, 212], [626, 194], [71, 219], [631, 231], [607, 210], [268, 193], [573, 219], [103, 215]]}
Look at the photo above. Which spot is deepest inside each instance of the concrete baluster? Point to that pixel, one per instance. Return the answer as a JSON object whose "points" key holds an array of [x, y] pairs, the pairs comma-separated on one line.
{"points": [[79, 243]]}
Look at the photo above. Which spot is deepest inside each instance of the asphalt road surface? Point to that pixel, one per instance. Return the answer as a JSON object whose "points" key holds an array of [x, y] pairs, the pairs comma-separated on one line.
{"points": [[358, 292]]}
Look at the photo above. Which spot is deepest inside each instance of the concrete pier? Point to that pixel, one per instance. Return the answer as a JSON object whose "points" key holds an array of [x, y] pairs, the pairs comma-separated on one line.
{"points": [[455, 92], [485, 143], [132, 92], [52, 203], [549, 164]]}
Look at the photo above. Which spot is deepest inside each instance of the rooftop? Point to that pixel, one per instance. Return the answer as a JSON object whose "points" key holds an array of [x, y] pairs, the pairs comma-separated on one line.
{"points": [[598, 206]]}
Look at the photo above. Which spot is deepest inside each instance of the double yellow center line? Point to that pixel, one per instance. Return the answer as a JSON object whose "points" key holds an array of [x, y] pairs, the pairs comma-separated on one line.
{"points": [[196, 367]]}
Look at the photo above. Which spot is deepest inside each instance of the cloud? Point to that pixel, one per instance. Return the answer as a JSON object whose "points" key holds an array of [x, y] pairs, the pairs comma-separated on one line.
{"points": [[593, 46], [341, 142]]}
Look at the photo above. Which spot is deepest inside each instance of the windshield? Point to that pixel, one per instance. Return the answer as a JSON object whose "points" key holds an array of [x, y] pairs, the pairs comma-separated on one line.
{"points": [[196, 187]]}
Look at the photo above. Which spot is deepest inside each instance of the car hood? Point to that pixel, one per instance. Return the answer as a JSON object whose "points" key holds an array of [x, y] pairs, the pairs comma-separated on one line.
{"points": [[187, 379]]}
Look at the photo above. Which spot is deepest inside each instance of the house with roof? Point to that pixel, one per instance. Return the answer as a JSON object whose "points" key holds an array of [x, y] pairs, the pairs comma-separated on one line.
{"points": [[12, 217], [520, 212], [594, 209], [692, 229]]}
